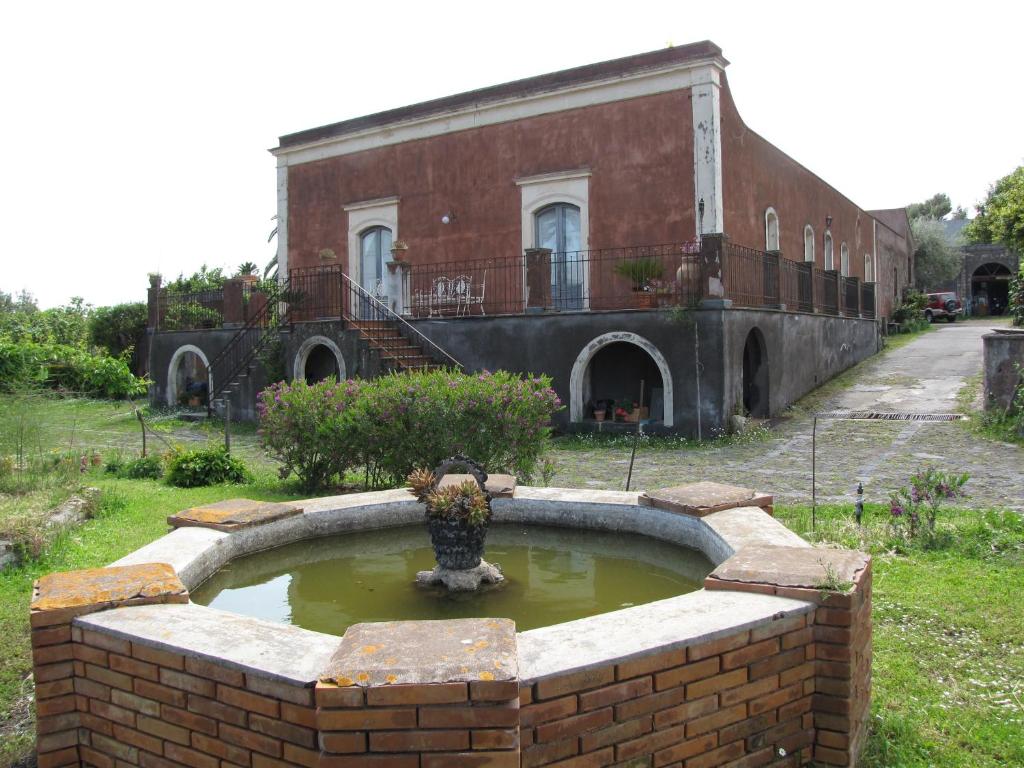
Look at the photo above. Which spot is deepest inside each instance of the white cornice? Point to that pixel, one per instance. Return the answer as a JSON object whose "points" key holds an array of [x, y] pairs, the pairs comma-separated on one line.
{"points": [[375, 203], [543, 178], [644, 83]]}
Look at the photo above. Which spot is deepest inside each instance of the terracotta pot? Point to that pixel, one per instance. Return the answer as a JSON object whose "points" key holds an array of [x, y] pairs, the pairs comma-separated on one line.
{"points": [[599, 415], [645, 299]]}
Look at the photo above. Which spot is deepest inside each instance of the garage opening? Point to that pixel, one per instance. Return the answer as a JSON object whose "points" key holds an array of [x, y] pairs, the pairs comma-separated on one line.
{"points": [[321, 363], [755, 375], [612, 385], [990, 289]]}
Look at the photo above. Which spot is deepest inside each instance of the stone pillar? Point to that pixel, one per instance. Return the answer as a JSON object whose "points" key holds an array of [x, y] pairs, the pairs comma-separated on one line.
{"points": [[153, 320], [430, 694], [62, 667], [1004, 368], [538, 279], [396, 285], [838, 583], [234, 310], [713, 288]]}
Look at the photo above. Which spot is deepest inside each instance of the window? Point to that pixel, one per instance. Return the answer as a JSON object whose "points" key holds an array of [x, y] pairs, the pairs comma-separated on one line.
{"points": [[844, 260], [830, 259], [869, 268], [374, 248], [771, 230], [808, 243]]}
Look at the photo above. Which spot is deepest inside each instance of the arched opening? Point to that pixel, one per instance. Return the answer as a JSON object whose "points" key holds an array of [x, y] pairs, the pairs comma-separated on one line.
{"points": [[990, 289], [318, 358], [771, 230], [829, 254], [755, 375], [188, 384], [609, 370], [374, 247], [844, 260]]}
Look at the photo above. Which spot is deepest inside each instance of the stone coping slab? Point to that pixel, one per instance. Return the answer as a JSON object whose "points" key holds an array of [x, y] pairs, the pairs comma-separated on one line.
{"points": [[577, 495], [745, 527], [100, 588], [704, 498], [274, 651], [499, 486], [425, 652], [800, 567], [663, 625], [233, 514]]}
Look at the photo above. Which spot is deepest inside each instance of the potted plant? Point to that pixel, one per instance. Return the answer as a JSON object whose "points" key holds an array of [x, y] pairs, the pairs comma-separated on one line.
{"points": [[458, 516], [640, 273], [398, 250]]}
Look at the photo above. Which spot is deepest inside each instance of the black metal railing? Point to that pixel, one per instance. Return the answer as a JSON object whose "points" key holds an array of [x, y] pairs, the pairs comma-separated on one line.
{"points": [[850, 292], [259, 329], [190, 311], [637, 277], [867, 300]]}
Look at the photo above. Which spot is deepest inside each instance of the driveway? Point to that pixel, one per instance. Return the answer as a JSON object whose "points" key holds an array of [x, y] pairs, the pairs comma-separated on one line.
{"points": [[922, 377]]}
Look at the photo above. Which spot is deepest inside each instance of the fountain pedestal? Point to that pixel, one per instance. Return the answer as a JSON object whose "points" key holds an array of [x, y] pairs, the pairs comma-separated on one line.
{"points": [[463, 580]]}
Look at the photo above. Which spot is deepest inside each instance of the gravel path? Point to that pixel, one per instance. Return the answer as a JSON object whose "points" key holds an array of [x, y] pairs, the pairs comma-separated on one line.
{"points": [[924, 376]]}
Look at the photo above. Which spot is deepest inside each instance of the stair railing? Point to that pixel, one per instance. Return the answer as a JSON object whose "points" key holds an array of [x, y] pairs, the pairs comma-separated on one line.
{"points": [[247, 343], [374, 319]]}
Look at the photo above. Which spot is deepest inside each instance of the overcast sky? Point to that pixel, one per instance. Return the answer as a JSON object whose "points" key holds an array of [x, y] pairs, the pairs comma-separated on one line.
{"points": [[135, 134]]}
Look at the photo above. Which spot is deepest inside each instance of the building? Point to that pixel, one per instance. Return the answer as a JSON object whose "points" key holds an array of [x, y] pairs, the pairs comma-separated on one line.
{"points": [[606, 225], [984, 281]]}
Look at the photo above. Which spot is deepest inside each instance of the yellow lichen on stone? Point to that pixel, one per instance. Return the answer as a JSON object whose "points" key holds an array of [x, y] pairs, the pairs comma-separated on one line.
{"points": [[368, 649], [99, 586], [486, 675], [391, 678], [362, 677]]}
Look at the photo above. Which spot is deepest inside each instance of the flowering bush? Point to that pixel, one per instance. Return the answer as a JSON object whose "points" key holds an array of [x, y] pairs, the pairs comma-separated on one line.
{"points": [[924, 495], [299, 426], [391, 425]]}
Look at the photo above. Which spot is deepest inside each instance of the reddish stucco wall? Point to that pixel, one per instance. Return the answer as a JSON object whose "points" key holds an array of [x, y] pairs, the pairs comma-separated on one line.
{"points": [[641, 189], [757, 175]]}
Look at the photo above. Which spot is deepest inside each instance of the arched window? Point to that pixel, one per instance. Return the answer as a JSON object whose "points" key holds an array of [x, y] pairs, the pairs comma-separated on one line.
{"points": [[808, 243], [374, 248], [771, 230], [869, 268], [557, 227], [830, 259], [844, 260]]}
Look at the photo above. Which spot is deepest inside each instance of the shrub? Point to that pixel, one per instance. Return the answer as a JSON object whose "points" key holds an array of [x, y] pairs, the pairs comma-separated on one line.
{"points": [[143, 468], [297, 427], [1017, 296], [205, 466], [396, 423], [119, 328], [63, 367], [911, 309], [921, 498]]}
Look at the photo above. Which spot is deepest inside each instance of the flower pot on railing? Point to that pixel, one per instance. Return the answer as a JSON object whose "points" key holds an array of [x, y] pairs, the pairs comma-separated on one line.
{"points": [[399, 250]]}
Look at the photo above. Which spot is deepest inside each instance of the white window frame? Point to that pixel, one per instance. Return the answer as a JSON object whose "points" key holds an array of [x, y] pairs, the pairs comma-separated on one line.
{"points": [[770, 214], [830, 251], [869, 268], [808, 230], [538, 192], [382, 212], [844, 260]]}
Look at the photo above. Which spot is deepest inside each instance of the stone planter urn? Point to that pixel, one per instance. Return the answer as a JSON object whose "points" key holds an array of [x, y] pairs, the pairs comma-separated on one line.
{"points": [[458, 517]]}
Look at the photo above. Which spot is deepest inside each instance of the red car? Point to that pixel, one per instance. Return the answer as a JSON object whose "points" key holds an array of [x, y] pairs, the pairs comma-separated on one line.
{"points": [[940, 305]]}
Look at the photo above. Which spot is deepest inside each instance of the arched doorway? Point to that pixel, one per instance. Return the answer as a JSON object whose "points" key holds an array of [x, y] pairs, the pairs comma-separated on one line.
{"points": [[187, 378], [990, 289], [557, 227], [318, 357], [611, 367], [755, 375]]}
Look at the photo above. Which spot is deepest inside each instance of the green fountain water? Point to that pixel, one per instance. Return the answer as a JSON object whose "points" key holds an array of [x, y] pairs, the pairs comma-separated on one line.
{"points": [[552, 575]]}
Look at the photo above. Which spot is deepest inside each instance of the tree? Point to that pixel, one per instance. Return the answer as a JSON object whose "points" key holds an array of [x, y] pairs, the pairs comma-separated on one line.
{"points": [[1000, 217], [935, 207], [935, 260]]}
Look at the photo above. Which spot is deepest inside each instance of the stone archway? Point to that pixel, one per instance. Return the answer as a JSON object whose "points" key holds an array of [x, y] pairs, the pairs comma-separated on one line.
{"points": [[315, 346], [173, 385], [578, 376], [990, 289]]}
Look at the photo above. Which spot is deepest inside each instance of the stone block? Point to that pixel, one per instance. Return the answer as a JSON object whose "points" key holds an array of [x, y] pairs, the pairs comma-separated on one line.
{"points": [[499, 486], [796, 567], [233, 514], [57, 597], [424, 653], [705, 497]]}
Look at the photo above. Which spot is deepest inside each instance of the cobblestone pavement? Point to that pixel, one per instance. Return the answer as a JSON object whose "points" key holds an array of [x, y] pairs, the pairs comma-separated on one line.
{"points": [[924, 376]]}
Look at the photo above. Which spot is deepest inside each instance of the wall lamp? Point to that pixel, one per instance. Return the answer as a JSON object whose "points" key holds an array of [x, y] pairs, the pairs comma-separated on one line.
{"points": [[828, 222], [448, 218]]}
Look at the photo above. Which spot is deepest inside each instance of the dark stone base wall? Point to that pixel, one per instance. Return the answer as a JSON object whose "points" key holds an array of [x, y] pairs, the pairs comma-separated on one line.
{"points": [[803, 352], [1004, 368]]}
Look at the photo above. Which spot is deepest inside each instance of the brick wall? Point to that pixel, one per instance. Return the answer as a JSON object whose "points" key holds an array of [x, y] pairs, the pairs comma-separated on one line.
{"points": [[446, 725], [733, 701], [141, 706]]}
